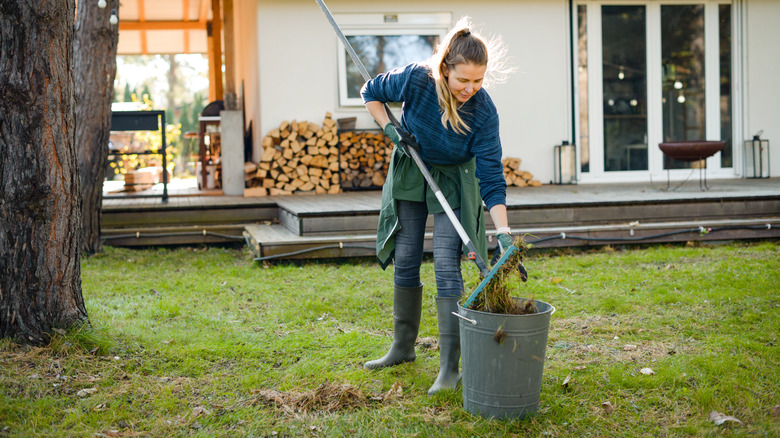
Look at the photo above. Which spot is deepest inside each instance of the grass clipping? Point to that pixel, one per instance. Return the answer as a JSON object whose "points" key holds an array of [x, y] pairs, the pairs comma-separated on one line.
{"points": [[496, 296], [328, 397]]}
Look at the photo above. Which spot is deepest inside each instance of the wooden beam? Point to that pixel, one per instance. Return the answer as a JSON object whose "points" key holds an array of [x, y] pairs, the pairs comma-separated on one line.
{"points": [[161, 25], [185, 16], [212, 62], [203, 16], [142, 18], [216, 34]]}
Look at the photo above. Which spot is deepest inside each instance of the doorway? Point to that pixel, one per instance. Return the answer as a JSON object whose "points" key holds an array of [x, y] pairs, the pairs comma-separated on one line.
{"points": [[649, 72]]}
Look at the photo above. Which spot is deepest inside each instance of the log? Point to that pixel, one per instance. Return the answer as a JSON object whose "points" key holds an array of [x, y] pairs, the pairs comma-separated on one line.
{"points": [[517, 177], [255, 191]]}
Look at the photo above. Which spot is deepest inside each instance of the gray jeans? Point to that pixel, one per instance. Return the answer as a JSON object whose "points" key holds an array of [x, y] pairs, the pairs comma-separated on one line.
{"points": [[409, 241]]}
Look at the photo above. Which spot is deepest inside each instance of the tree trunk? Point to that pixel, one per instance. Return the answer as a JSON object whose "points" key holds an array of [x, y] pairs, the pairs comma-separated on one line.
{"points": [[40, 273], [94, 70], [170, 96]]}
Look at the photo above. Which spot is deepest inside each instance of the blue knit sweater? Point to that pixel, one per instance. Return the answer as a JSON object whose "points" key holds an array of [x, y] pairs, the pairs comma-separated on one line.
{"points": [[414, 86]]}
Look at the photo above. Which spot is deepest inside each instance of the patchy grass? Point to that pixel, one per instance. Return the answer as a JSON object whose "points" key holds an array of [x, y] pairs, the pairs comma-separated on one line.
{"points": [[204, 342]]}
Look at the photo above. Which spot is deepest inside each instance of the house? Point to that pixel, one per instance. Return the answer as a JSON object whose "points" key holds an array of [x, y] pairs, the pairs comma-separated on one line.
{"points": [[613, 78]]}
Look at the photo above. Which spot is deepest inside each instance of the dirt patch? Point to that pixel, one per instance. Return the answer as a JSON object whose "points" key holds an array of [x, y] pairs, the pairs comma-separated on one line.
{"points": [[428, 343], [328, 397], [591, 340]]}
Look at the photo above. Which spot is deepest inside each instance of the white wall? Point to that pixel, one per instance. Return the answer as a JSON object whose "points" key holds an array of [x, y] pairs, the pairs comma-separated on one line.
{"points": [[298, 69], [762, 68]]}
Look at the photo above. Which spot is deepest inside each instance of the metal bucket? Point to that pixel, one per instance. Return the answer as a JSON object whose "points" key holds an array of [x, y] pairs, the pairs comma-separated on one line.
{"points": [[502, 374]]}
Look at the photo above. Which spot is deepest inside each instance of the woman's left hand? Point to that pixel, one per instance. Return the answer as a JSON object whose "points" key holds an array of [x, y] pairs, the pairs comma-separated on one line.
{"points": [[504, 242]]}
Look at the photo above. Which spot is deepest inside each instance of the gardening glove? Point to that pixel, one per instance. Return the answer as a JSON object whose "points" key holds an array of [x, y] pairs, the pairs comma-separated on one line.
{"points": [[401, 139], [504, 242], [392, 133]]}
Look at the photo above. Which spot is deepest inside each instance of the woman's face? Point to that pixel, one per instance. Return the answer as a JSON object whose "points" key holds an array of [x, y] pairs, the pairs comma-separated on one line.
{"points": [[465, 80]]}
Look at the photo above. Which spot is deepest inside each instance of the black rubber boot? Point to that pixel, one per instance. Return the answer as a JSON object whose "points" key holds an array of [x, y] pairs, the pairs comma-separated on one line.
{"points": [[407, 308], [449, 345]]}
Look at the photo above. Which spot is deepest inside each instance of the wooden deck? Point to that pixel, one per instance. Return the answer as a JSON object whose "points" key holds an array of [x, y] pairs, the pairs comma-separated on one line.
{"points": [[344, 225]]}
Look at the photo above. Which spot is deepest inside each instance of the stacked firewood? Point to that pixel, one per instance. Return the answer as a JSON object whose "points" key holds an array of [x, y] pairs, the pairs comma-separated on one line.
{"points": [[365, 157], [297, 157], [515, 176], [303, 157]]}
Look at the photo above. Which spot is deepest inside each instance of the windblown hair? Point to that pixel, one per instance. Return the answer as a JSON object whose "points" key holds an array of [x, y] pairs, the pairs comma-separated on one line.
{"points": [[463, 46]]}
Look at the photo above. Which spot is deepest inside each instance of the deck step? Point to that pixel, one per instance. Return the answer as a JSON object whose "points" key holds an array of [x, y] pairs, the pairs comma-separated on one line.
{"points": [[174, 235], [343, 213], [276, 242], [615, 212]]}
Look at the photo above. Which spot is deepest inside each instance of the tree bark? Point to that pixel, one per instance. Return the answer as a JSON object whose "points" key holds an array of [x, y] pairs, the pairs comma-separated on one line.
{"points": [[94, 70], [40, 273]]}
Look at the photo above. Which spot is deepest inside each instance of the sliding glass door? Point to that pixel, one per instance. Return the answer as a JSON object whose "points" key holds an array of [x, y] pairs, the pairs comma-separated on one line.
{"points": [[649, 72]]}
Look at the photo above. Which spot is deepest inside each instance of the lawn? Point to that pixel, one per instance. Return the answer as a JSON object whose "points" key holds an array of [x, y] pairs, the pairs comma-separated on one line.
{"points": [[206, 342]]}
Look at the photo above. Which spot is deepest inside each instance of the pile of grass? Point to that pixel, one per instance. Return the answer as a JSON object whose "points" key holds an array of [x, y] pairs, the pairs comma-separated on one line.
{"points": [[499, 295], [328, 397]]}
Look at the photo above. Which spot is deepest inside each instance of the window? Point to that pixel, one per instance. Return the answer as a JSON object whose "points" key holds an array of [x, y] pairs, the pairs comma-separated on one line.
{"points": [[385, 42]]}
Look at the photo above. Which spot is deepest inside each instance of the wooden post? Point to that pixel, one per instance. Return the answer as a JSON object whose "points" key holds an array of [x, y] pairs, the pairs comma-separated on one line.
{"points": [[230, 58], [215, 53]]}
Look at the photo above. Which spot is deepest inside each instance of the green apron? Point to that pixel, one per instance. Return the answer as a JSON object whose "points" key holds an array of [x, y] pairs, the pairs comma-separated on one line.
{"points": [[458, 183]]}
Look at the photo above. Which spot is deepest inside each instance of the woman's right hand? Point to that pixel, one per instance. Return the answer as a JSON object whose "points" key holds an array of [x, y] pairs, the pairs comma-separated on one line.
{"points": [[398, 137], [392, 133]]}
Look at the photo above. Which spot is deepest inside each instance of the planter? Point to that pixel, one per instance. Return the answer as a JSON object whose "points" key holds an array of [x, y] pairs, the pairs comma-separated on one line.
{"points": [[502, 372]]}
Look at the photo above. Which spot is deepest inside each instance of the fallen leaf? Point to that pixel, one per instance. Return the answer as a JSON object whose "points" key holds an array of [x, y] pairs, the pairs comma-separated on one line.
{"points": [[556, 280], [566, 381], [776, 411], [607, 407], [396, 391], [200, 410], [647, 371], [581, 367], [669, 266], [629, 347], [718, 418], [86, 392]]}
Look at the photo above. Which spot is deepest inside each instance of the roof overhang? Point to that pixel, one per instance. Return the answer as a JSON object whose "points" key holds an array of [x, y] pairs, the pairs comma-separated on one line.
{"points": [[148, 27]]}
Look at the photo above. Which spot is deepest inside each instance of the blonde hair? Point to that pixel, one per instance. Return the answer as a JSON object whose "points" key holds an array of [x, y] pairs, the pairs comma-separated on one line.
{"points": [[462, 45]]}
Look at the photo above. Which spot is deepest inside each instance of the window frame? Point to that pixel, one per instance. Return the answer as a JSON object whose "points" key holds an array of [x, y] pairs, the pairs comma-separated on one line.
{"points": [[383, 25]]}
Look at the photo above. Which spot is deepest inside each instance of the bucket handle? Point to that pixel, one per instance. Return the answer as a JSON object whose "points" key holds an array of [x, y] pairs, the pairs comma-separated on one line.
{"points": [[473, 322]]}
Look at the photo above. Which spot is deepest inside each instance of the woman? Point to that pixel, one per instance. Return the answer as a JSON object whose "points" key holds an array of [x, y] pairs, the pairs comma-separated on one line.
{"points": [[455, 125]]}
